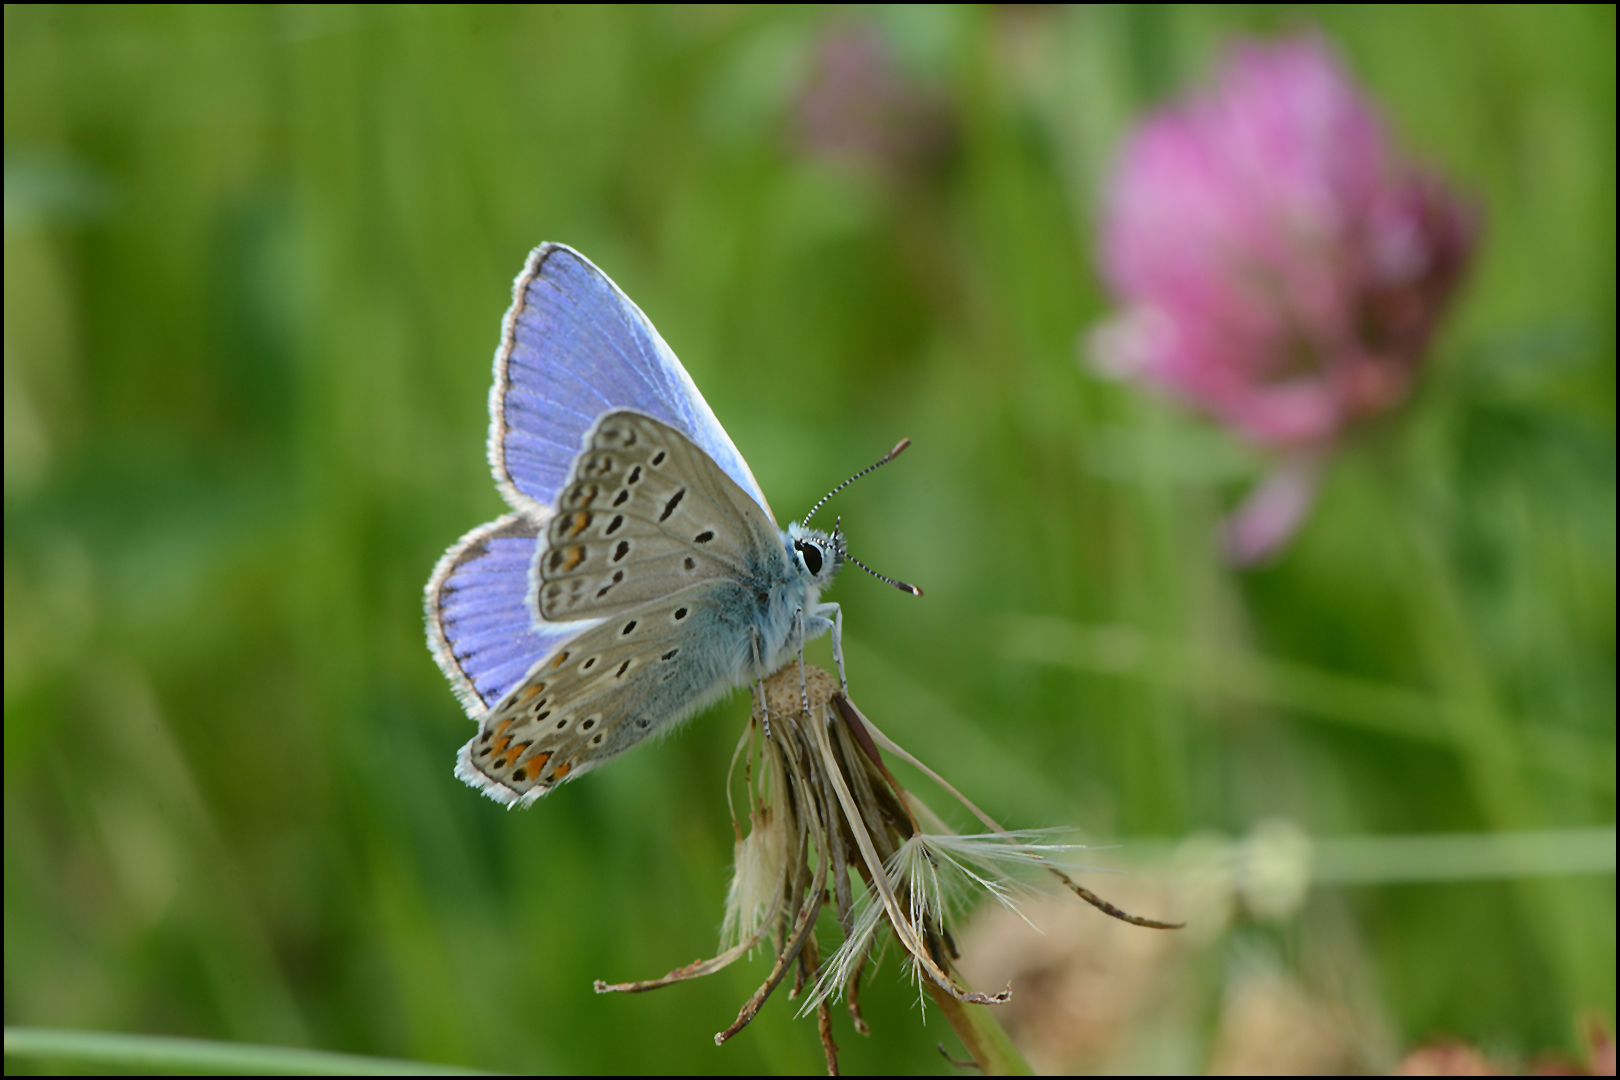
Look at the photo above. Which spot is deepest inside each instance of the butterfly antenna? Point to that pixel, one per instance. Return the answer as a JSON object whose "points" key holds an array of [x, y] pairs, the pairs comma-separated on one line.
{"points": [[884, 460], [901, 585]]}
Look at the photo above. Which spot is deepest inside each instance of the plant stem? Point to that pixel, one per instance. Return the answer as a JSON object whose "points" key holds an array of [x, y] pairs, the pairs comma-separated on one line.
{"points": [[993, 1051]]}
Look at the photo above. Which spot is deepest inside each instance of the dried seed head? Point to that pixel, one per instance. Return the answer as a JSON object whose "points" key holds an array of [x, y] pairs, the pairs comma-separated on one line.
{"points": [[828, 823]]}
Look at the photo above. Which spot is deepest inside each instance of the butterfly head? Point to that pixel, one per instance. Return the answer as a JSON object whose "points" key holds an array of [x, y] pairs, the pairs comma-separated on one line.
{"points": [[815, 554]]}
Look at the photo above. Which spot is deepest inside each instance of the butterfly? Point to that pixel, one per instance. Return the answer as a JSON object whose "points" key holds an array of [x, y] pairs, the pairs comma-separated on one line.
{"points": [[640, 574]]}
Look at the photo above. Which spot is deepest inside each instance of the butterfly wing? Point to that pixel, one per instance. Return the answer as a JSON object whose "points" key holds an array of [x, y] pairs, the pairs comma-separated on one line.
{"points": [[479, 624], [645, 513], [572, 347], [676, 562], [571, 634], [598, 694]]}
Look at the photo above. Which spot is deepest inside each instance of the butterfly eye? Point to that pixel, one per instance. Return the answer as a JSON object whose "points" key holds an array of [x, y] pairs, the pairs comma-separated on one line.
{"points": [[811, 554]]}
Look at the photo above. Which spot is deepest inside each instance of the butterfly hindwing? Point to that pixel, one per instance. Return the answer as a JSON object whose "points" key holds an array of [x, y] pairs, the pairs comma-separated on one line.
{"points": [[479, 622], [606, 689], [573, 346], [645, 513]]}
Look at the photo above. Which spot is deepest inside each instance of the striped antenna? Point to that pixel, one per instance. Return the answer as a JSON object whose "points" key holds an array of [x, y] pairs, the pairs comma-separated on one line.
{"points": [[844, 546], [901, 585], [884, 460]]}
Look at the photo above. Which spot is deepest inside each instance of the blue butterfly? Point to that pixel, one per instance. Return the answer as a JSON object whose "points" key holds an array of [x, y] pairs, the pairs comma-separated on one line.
{"points": [[641, 574]]}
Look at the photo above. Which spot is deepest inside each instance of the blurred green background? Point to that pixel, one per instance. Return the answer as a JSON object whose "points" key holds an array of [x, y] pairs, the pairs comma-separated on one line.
{"points": [[255, 264]]}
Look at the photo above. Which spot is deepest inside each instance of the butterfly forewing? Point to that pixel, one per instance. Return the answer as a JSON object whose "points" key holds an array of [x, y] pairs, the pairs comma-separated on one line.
{"points": [[606, 690], [646, 513], [573, 345]]}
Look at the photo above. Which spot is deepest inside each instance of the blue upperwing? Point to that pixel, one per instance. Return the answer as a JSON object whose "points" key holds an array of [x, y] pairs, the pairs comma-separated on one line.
{"points": [[572, 347], [480, 624]]}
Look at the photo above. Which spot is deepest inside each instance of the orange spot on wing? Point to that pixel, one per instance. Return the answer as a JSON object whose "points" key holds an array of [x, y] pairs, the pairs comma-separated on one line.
{"points": [[536, 763], [577, 526], [500, 728], [562, 770], [499, 747], [573, 556], [559, 660], [512, 755], [527, 694]]}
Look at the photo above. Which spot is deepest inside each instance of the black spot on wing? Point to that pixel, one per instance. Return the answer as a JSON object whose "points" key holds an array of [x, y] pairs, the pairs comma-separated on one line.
{"points": [[618, 576], [674, 501]]}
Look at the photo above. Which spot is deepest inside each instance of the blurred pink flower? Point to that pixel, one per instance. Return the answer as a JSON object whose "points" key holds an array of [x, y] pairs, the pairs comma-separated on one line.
{"points": [[1453, 1058], [1279, 266], [859, 105]]}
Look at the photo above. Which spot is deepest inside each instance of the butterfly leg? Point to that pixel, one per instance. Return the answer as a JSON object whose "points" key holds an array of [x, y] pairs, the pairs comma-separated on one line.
{"points": [[759, 679], [825, 617], [804, 692]]}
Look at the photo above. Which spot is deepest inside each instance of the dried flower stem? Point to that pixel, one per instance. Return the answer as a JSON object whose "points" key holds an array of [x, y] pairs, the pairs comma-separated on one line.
{"points": [[983, 1036], [821, 804]]}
